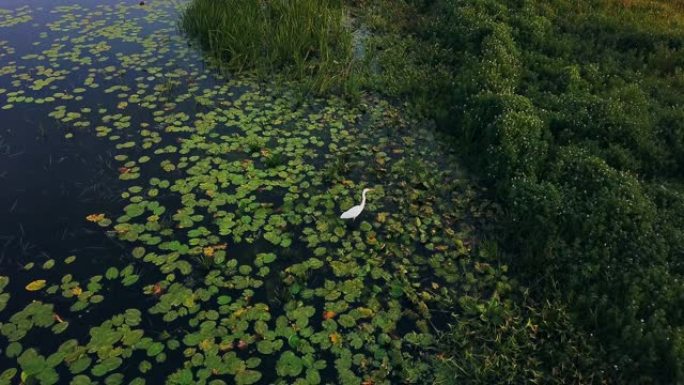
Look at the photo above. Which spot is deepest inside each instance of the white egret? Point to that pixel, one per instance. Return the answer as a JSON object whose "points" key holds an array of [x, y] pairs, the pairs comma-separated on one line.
{"points": [[356, 210]]}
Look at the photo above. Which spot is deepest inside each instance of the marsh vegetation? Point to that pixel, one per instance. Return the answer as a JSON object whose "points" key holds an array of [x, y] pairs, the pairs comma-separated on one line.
{"points": [[174, 173], [306, 40]]}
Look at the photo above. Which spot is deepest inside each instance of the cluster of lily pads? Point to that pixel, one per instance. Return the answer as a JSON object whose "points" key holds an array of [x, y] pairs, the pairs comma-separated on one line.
{"points": [[11, 17], [231, 191]]}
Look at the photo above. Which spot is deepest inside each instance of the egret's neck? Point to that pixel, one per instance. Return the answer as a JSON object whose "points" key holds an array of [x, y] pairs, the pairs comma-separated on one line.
{"points": [[363, 198]]}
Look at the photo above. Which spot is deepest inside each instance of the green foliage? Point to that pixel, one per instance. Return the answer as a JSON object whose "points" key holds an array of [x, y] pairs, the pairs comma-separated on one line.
{"points": [[572, 110], [537, 344], [306, 38], [507, 128]]}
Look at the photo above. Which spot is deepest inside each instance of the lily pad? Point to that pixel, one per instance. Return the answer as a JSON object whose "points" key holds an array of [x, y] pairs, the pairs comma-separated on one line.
{"points": [[289, 364], [36, 285]]}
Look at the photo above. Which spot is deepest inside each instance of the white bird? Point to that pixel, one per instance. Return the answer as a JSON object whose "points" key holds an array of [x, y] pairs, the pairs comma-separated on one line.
{"points": [[356, 210]]}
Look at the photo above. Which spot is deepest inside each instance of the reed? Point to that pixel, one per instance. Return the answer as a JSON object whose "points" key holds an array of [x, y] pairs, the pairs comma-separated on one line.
{"points": [[306, 40]]}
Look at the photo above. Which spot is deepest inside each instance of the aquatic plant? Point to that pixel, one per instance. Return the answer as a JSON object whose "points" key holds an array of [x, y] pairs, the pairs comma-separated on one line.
{"points": [[225, 258], [222, 205], [567, 110], [307, 39]]}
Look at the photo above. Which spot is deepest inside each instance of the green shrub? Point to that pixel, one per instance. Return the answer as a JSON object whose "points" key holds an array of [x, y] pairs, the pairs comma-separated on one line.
{"points": [[507, 129], [618, 126], [572, 110], [499, 61], [534, 216], [607, 223], [520, 147], [671, 124]]}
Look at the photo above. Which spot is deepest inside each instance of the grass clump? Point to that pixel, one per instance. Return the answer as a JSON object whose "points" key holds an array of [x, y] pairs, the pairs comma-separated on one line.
{"points": [[307, 40]]}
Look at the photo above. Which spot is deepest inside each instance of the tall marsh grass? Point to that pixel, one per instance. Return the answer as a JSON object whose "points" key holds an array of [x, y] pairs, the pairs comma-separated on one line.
{"points": [[305, 39]]}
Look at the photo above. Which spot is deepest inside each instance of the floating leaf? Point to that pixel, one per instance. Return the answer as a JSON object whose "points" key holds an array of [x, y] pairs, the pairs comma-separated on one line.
{"points": [[36, 285], [4, 281], [81, 380], [347, 321], [329, 314], [289, 364], [335, 338], [138, 252], [247, 377], [81, 364], [95, 217], [7, 375], [13, 349], [112, 273], [60, 326], [154, 349], [130, 279], [49, 264]]}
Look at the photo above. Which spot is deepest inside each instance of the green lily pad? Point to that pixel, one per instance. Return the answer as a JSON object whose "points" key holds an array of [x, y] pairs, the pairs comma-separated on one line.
{"points": [[106, 365], [80, 365], [155, 349], [13, 349], [247, 377], [289, 364], [112, 273], [7, 375], [80, 380]]}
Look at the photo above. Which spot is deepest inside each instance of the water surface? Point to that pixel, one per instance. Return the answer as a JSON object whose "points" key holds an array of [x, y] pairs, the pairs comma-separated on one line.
{"points": [[164, 223]]}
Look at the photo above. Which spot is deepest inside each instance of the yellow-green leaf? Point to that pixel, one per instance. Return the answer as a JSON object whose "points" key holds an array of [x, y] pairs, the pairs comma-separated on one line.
{"points": [[36, 285]]}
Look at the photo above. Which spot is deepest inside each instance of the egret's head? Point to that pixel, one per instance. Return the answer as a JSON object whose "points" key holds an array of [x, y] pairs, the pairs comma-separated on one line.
{"points": [[366, 190]]}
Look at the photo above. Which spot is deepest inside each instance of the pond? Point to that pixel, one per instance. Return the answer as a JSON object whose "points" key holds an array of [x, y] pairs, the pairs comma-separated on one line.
{"points": [[163, 222]]}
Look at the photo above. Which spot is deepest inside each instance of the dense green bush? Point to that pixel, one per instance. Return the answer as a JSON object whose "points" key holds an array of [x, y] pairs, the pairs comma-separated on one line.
{"points": [[507, 131], [573, 111]]}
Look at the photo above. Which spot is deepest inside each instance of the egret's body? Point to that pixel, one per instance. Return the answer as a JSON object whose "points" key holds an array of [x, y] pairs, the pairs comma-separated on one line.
{"points": [[355, 211]]}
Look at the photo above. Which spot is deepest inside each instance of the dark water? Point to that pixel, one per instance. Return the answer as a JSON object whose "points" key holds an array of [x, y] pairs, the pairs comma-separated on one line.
{"points": [[51, 183], [108, 111]]}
